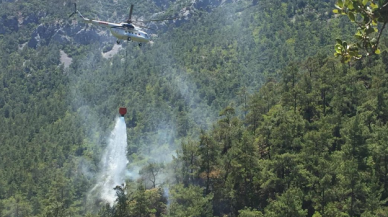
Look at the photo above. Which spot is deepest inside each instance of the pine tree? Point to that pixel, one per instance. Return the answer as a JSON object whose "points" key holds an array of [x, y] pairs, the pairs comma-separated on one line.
{"points": [[288, 204]]}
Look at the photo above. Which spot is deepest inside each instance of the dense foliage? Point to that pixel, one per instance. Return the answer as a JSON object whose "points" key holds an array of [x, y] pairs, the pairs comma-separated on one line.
{"points": [[367, 15], [239, 111]]}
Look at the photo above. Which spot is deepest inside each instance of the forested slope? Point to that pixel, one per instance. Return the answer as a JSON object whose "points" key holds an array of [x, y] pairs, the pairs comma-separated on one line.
{"points": [[242, 109]]}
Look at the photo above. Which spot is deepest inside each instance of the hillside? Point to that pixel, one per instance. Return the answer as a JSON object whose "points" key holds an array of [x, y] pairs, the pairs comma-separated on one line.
{"points": [[239, 106]]}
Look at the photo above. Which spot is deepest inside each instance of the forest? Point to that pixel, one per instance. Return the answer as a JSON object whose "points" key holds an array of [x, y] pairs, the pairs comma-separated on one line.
{"points": [[245, 109]]}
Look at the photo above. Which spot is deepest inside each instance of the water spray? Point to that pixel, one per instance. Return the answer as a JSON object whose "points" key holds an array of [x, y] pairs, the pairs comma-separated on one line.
{"points": [[114, 161]]}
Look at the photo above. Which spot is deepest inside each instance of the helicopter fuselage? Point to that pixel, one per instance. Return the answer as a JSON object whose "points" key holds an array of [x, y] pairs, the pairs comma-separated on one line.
{"points": [[122, 31], [130, 34]]}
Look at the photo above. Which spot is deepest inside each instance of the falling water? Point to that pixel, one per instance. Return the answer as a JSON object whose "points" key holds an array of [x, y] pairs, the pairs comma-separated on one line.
{"points": [[113, 162]]}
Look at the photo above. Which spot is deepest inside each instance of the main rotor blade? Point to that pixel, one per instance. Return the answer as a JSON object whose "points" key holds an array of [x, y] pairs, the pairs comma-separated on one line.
{"points": [[144, 27], [130, 14], [141, 26], [157, 20]]}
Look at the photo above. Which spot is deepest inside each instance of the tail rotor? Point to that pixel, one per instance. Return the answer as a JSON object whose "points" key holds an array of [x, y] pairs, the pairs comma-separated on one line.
{"points": [[75, 10]]}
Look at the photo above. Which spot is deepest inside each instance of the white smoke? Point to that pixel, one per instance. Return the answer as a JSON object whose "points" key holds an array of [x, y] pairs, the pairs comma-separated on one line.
{"points": [[113, 163]]}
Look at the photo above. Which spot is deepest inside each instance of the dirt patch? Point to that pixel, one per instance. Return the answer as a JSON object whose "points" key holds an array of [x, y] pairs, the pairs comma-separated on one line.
{"points": [[116, 48], [21, 46], [65, 59]]}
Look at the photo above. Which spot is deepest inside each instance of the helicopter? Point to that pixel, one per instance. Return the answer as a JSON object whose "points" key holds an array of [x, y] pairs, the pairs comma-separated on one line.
{"points": [[123, 31]]}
